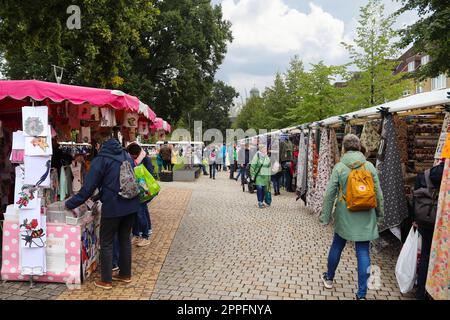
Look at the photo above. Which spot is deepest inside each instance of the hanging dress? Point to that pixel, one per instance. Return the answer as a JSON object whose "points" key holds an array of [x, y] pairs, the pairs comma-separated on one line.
{"points": [[311, 160], [370, 138], [323, 172], [391, 177], [334, 148], [302, 165]]}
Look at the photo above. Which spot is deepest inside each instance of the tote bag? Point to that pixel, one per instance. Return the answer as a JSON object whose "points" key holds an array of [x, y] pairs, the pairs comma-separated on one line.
{"points": [[148, 186]]}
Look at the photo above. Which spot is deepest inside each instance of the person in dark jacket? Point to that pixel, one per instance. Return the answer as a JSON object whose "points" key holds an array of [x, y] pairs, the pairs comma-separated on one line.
{"points": [[142, 227], [117, 213], [426, 230]]}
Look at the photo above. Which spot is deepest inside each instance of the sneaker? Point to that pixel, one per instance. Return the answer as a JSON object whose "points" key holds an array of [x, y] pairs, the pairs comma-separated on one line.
{"points": [[135, 240], [327, 282], [358, 298], [261, 205], [121, 278], [115, 268], [103, 285], [143, 243]]}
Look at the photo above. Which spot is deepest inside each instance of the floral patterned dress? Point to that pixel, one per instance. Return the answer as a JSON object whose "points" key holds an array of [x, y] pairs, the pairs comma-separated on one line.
{"points": [[323, 172], [302, 165], [311, 156]]}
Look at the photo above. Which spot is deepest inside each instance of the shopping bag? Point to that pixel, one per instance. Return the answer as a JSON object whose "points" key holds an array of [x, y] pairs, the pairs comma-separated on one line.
{"points": [[405, 269], [148, 186], [268, 198], [205, 162]]}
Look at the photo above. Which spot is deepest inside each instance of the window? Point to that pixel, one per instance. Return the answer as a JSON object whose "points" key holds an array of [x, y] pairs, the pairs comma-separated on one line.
{"points": [[440, 82], [424, 60], [419, 87], [411, 66]]}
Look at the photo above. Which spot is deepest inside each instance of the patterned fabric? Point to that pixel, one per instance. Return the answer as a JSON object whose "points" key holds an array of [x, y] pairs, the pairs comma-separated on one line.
{"points": [[401, 128], [391, 177], [310, 169], [334, 148], [302, 165], [370, 138], [323, 172], [438, 279]]}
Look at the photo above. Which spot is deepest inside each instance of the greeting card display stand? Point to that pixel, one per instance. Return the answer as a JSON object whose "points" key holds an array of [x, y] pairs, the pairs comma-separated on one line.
{"points": [[71, 254]]}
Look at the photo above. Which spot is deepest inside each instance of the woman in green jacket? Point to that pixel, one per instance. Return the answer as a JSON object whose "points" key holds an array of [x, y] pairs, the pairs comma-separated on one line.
{"points": [[260, 172], [361, 226]]}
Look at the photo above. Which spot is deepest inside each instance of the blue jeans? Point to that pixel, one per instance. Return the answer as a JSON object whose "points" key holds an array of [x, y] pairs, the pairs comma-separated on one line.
{"points": [[260, 193], [362, 255], [287, 178], [142, 223], [276, 182], [212, 170]]}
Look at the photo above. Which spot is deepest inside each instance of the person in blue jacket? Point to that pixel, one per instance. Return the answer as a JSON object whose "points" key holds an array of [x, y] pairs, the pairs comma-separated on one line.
{"points": [[142, 227], [224, 156], [117, 214]]}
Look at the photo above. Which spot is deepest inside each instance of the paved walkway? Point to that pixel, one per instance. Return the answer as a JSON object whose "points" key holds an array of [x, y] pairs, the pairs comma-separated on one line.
{"points": [[210, 241], [227, 248]]}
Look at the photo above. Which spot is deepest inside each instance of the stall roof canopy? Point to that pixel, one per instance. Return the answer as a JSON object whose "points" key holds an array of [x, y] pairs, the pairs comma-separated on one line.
{"points": [[417, 101], [41, 90], [159, 124]]}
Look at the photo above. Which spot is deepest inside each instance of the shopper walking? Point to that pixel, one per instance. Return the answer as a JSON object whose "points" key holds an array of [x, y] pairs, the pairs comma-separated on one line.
{"points": [[212, 163], [159, 163], [358, 226], [142, 227], [260, 172], [224, 156], [166, 155], [117, 212]]}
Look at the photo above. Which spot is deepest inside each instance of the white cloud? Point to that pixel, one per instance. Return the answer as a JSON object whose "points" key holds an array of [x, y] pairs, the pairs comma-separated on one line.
{"points": [[267, 33]]}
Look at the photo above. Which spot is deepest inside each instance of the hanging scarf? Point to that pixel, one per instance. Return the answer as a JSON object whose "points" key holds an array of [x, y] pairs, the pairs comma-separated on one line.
{"points": [[334, 148], [323, 172], [311, 180], [391, 177], [302, 165], [370, 138], [438, 278]]}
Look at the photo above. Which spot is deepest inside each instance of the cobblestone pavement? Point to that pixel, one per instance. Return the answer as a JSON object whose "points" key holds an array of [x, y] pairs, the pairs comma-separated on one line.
{"points": [[227, 248]]}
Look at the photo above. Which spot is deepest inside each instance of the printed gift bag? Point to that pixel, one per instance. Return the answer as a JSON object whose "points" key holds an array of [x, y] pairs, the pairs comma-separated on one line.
{"points": [[131, 120], [35, 121], [143, 128], [108, 117], [18, 147]]}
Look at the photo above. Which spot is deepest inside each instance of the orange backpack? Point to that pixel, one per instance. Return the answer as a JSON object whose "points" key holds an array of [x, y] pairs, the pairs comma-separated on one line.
{"points": [[361, 194]]}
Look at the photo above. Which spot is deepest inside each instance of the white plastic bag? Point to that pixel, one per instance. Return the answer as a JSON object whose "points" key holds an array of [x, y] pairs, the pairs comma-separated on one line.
{"points": [[405, 270]]}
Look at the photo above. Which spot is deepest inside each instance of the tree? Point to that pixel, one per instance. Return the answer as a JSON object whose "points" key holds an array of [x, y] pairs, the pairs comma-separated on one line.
{"points": [[35, 36], [317, 96], [186, 47], [276, 104], [429, 35], [374, 55], [215, 111], [252, 116]]}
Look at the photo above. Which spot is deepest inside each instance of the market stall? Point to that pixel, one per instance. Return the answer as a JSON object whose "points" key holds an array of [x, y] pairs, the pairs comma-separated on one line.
{"points": [[48, 138]]}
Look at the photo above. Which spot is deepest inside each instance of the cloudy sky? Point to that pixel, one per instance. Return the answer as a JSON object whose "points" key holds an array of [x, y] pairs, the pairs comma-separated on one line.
{"points": [[268, 33]]}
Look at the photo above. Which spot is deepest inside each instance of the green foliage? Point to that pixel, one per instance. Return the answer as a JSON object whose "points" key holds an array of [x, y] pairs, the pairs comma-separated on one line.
{"points": [[186, 46], [215, 111], [374, 56], [164, 52], [252, 115], [430, 34], [35, 36]]}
